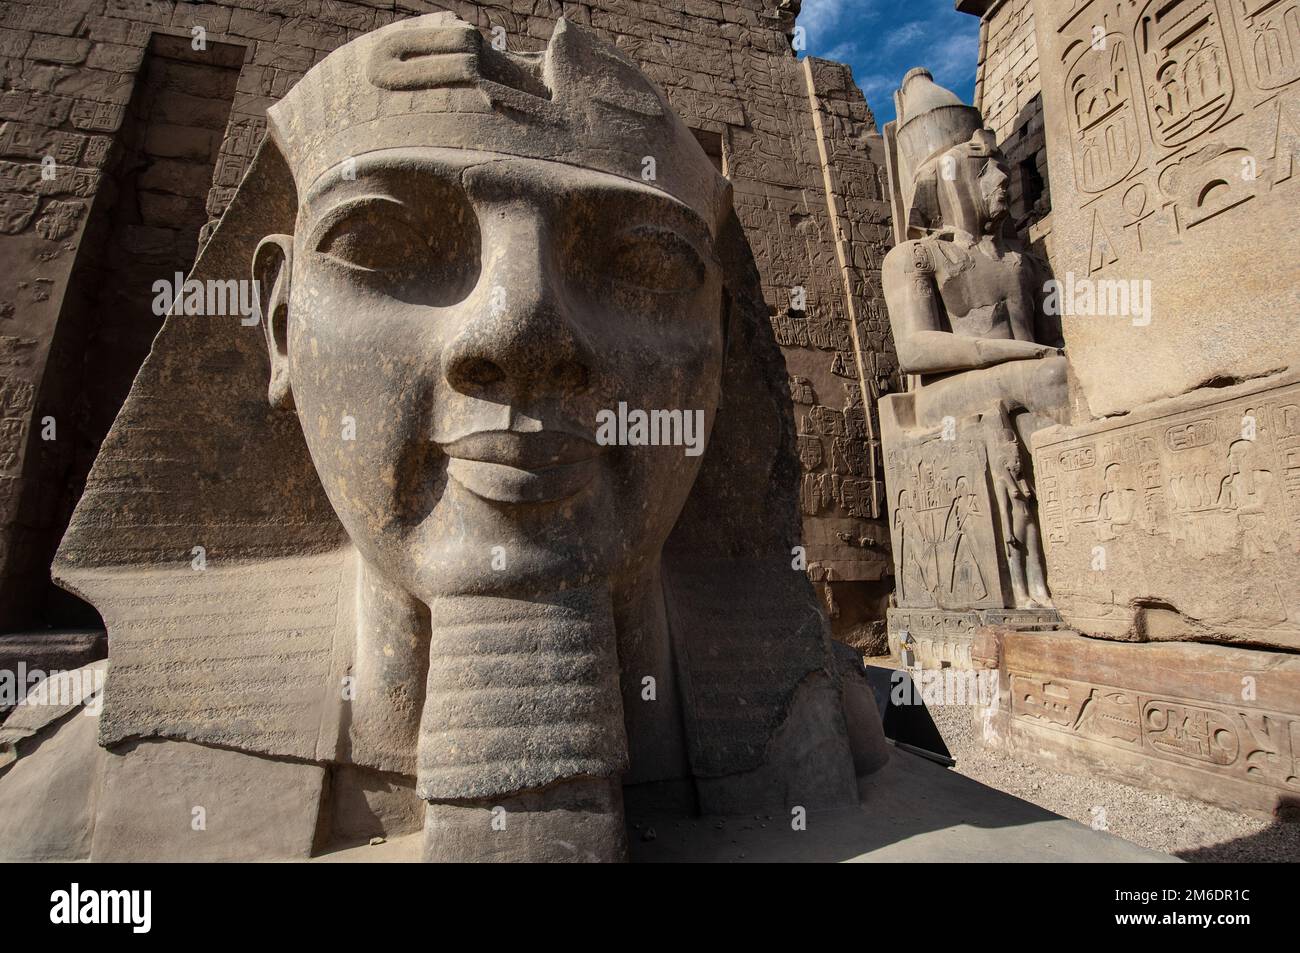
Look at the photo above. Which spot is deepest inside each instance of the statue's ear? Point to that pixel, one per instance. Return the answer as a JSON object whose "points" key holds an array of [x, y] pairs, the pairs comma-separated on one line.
{"points": [[272, 274]]}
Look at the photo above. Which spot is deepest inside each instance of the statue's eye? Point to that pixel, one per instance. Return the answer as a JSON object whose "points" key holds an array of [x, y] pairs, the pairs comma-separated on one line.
{"points": [[386, 245], [374, 238], [655, 259]]}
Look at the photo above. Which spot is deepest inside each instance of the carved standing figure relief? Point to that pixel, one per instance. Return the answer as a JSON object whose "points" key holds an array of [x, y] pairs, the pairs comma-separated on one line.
{"points": [[469, 598], [966, 305], [914, 551], [1116, 505], [1014, 498], [965, 582]]}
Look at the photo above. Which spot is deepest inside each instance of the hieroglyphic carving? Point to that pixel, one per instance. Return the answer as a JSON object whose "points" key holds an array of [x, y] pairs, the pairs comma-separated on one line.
{"points": [[1197, 509], [1184, 62], [810, 453], [934, 637], [828, 312], [59, 219], [1244, 743], [16, 211], [11, 437], [833, 448], [811, 329], [843, 365], [1269, 33], [946, 636], [1178, 123], [1103, 119], [1174, 58], [16, 399], [801, 391], [945, 542]]}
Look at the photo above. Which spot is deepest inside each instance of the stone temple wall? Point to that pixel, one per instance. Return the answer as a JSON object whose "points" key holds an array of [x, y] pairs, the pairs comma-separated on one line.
{"points": [[119, 140], [1009, 94]]}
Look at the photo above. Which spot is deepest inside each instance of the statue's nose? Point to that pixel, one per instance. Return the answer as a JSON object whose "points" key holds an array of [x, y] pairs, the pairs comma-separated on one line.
{"points": [[520, 340]]}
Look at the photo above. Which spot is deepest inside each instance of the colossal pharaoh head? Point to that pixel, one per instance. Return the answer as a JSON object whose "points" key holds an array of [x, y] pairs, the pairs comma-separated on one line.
{"points": [[416, 558], [489, 250]]}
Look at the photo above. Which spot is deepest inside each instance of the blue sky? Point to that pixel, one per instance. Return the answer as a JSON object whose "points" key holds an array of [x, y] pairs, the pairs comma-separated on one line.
{"points": [[883, 39]]}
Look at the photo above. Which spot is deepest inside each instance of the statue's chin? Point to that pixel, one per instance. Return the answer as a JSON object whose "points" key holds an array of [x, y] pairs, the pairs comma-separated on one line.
{"points": [[512, 568], [497, 530]]}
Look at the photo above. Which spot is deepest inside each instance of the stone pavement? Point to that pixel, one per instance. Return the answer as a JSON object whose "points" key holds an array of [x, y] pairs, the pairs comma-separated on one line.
{"points": [[913, 811]]}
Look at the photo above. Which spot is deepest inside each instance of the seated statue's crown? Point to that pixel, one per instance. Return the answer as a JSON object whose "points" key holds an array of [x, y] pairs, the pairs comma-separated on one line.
{"points": [[931, 121], [435, 81]]}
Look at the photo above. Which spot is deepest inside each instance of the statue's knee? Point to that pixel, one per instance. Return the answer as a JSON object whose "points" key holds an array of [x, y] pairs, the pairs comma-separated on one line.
{"points": [[1053, 377]]}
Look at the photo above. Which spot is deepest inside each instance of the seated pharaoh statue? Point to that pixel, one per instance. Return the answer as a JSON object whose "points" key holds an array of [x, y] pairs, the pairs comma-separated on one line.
{"points": [[365, 566], [984, 362]]}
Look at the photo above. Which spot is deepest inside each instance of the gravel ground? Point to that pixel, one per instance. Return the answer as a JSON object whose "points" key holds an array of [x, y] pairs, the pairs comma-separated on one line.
{"points": [[1187, 829]]}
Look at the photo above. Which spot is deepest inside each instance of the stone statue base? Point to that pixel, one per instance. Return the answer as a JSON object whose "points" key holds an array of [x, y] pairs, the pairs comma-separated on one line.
{"points": [[944, 528], [962, 545], [1203, 721], [943, 638], [1179, 521], [63, 797]]}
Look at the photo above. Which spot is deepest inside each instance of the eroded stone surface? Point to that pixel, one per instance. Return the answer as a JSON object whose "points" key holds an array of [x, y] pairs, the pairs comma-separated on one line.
{"points": [[47, 795], [175, 801]]}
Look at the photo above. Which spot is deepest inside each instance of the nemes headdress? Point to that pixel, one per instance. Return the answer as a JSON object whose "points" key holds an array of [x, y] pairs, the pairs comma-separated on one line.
{"points": [[436, 81]]}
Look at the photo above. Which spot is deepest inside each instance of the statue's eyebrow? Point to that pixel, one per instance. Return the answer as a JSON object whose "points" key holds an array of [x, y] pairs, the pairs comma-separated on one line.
{"points": [[618, 192], [663, 202], [393, 173], [623, 194]]}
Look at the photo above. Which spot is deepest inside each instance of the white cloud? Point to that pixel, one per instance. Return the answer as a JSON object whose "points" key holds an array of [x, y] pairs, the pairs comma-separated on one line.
{"points": [[826, 21], [842, 53], [954, 58], [882, 39], [878, 85], [905, 35], [817, 15]]}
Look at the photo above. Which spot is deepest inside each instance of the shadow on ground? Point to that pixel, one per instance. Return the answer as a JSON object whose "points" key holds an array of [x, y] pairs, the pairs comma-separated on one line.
{"points": [[912, 810], [1279, 843]]}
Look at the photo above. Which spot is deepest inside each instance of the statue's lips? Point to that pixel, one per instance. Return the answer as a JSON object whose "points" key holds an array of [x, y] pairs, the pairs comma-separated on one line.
{"points": [[510, 467]]}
